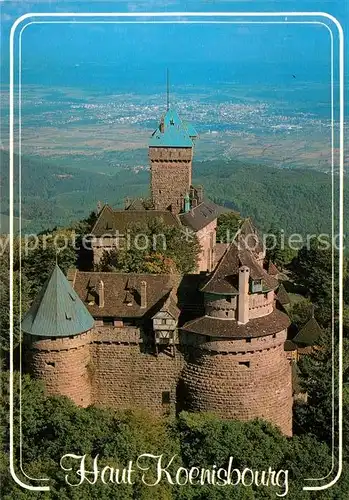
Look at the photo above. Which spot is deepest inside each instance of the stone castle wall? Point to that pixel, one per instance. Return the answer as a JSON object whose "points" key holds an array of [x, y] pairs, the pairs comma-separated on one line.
{"points": [[260, 304], [128, 374], [64, 365], [108, 367], [114, 367], [241, 380], [171, 171]]}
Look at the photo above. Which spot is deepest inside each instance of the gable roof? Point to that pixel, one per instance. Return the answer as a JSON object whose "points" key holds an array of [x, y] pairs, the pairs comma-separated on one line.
{"points": [[122, 292], [309, 334], [175, 132], [137, 204], [110, 221], [247, 230], [170, 307], [201, 215], [57, 311], [224, 279]]}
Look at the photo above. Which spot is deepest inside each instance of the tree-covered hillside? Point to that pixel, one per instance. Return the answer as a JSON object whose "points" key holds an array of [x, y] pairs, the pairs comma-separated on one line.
{"points": [[54, 196], [294, 200]]}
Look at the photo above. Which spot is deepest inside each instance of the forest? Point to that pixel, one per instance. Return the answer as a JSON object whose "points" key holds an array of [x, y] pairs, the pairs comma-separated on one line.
{"points": [[297, 201]]}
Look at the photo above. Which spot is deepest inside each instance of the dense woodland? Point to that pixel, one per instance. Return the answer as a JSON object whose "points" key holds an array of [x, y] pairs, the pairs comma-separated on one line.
{"points": [[297, 201], [53, 426]]}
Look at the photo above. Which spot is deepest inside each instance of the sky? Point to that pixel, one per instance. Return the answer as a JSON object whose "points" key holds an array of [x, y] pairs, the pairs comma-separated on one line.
{"points": [[64, 45], [134, 57]]}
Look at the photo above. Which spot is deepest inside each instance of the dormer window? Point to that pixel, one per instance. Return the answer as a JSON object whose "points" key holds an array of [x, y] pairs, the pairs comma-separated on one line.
{"points": [[256, 286]]}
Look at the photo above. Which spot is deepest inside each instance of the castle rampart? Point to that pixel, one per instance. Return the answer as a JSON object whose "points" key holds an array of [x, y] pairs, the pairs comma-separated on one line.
{"points": [[241, 379]]}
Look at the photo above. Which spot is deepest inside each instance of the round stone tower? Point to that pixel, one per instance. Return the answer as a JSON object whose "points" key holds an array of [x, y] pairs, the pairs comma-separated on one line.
{"points": [[57, 331], [236, 364]]}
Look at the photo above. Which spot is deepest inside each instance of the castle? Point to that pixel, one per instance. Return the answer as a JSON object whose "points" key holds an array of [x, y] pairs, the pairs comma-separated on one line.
{"points": [[209, 341]]}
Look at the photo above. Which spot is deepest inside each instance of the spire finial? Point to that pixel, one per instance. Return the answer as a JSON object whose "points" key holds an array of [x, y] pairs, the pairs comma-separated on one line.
{"points": [[168, 89]]}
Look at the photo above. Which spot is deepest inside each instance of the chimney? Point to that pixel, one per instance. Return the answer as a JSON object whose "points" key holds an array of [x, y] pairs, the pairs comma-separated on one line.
{"points": [[200, 193], [243, 299], [194, 203], [99, 207], [127, 203], [162, 125], [101, 293], [143, 294]]}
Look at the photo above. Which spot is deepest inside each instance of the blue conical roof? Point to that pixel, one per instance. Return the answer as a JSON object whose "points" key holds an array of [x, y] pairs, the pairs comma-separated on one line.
{"points": [[175, 132], [57, 310]]}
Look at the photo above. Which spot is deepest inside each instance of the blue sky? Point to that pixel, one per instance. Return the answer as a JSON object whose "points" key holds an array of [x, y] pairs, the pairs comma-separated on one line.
{"points": [[302, 49]]}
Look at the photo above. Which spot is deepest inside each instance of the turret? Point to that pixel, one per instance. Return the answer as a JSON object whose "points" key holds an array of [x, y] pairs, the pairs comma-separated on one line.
{"points": [[236, 364], [57, 331]]}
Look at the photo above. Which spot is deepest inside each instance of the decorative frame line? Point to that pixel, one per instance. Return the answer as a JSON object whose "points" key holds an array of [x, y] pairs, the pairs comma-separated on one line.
{"points": [[341, 173]]}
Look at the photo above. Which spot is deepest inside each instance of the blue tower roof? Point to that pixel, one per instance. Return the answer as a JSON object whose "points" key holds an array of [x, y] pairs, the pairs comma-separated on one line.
{"points": [[57, 310], [172, 132]]}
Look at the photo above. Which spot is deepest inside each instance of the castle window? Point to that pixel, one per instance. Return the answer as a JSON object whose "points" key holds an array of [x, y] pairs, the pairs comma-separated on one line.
{"points": [[166, 397], [108, 321], [50, 363], [244, 363], [248, 339]]}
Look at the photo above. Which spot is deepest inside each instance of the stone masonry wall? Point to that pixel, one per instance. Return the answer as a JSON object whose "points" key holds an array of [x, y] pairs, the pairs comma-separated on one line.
{"points": [[63, 365], [260, 304], [126, 378], [171, 170], [127, 374], [113, 367], [242, 380]]}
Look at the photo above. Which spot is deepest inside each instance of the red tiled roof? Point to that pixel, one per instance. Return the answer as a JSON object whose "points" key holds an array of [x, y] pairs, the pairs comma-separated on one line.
{"points": [[109, 221], [257, 327], [121, 289]]}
